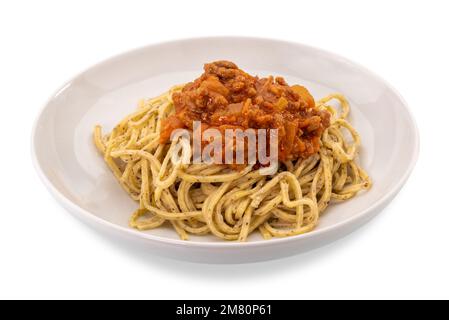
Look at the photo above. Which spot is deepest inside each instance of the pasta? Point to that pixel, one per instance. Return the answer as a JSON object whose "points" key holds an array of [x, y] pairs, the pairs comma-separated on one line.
{"points": [[199, 199]]}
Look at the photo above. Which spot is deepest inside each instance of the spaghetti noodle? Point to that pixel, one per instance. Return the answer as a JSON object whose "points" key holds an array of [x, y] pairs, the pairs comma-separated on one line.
{"points": [[201, 199]]}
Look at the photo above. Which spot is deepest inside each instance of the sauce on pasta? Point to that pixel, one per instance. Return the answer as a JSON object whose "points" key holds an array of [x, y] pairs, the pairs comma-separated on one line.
{"points": [[226, 97]]}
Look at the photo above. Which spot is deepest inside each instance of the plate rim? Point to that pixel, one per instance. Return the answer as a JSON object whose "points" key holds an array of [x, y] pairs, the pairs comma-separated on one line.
{"points": [[375, 206]]}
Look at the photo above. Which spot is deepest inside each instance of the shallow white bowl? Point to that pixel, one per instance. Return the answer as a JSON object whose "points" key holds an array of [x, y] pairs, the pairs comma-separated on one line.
{"points": [[76, 175]]}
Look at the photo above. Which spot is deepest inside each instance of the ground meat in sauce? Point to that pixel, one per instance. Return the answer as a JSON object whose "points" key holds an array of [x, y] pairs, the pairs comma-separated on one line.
{"points": [[226, 97]]}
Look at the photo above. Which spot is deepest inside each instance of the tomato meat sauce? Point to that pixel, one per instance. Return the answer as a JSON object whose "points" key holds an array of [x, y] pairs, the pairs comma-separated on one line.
{"points": [[225, 97]]}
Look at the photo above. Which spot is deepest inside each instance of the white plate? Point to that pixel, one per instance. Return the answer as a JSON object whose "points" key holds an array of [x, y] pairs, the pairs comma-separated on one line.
{"points": [[77, 177]]}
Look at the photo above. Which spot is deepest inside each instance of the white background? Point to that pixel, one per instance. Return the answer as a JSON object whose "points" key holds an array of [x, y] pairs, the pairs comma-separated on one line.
{"points": [[46, 253]]}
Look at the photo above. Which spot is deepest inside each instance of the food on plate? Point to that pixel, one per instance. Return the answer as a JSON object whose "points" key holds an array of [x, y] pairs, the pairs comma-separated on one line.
{"points": [[311, 150]]}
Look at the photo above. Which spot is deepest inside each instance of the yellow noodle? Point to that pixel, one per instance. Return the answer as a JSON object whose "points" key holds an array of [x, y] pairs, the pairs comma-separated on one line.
{"points": [[212, 199]]}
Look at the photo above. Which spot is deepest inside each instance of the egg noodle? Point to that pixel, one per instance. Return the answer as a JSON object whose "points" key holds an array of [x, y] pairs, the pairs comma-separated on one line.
{"points": [[213, 198]]}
